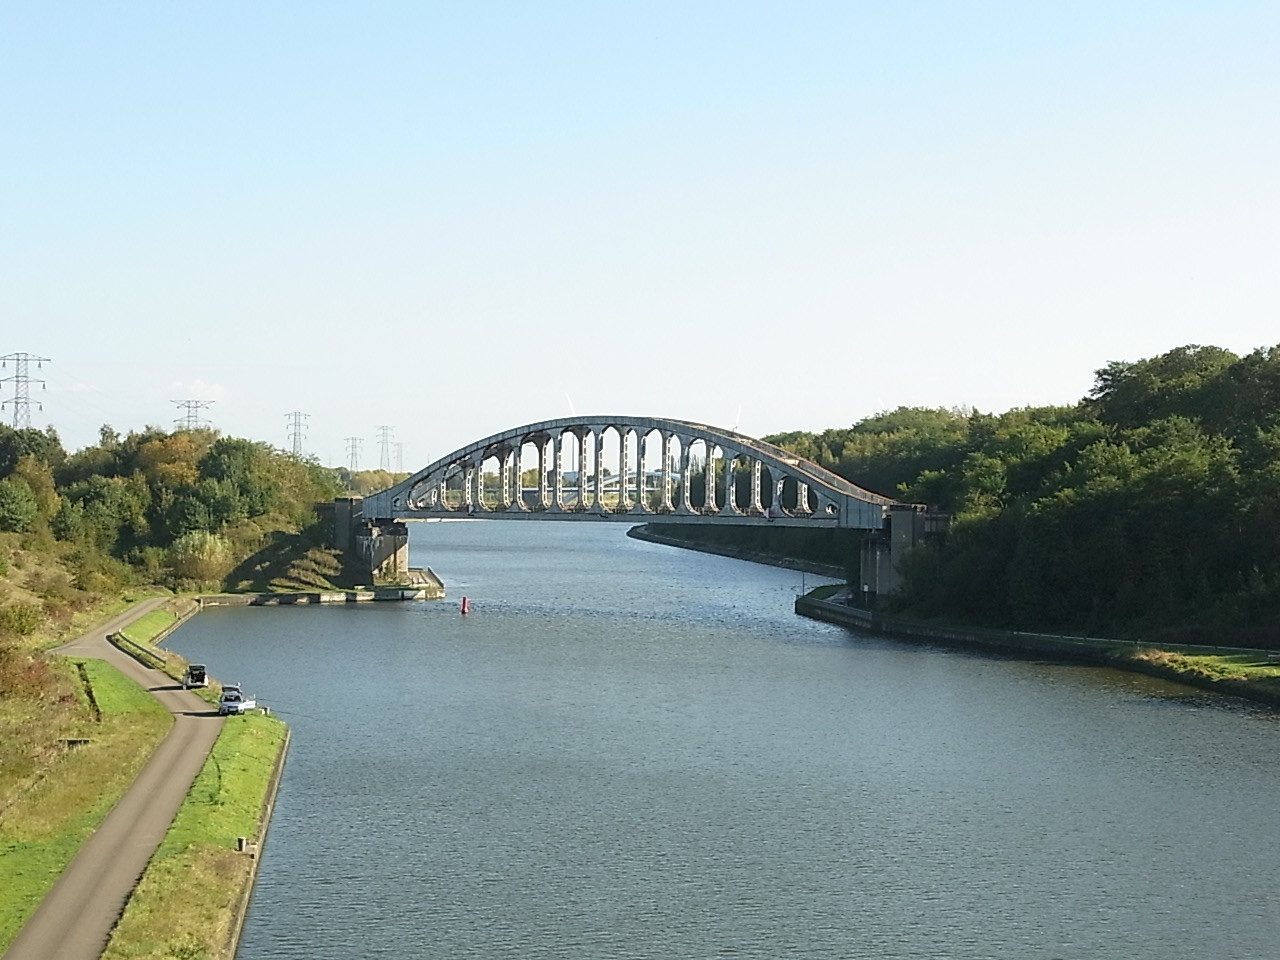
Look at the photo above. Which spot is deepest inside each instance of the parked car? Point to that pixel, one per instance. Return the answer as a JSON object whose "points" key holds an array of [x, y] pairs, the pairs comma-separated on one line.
{"points": [[233, 701], [196, 676]]}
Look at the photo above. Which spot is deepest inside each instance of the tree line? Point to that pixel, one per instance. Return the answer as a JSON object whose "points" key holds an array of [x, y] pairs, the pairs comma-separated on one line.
{"points": [[178, 509], [1151, 507]]}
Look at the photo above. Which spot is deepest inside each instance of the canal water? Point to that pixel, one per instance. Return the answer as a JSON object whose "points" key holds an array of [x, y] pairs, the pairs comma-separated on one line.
{"points": [[632, 751]]}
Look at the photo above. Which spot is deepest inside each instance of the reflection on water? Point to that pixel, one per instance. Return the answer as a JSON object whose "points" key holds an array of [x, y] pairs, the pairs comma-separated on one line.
{"points": [[632, 751]]}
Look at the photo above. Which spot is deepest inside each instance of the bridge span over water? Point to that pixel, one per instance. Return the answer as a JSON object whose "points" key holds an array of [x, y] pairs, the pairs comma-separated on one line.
{"points": [[629, 469]]}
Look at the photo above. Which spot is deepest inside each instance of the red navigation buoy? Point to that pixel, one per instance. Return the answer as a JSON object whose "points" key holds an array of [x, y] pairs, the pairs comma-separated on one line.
{"points": [[466, 606]]}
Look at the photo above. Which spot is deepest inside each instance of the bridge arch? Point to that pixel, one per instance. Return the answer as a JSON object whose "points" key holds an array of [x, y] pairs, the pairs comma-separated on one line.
{"points": [[743, 480]]}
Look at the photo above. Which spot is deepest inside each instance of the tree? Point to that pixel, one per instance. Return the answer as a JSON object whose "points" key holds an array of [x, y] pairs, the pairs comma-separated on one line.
{"points": [[201, 556], [44, 445], [18, 506], [1172, 384]]}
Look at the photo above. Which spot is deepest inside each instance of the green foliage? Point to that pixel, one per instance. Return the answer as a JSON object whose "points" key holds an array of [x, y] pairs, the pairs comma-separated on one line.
{"points": [[129, 507], [43, 445], [19, 619], [18, 505], [1154, 506], [1151, 507], [1176, 383], [888, 450], [365, 482], [201, 556]]}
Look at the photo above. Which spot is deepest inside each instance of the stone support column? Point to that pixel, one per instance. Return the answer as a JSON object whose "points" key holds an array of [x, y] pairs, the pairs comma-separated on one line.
{"points": [[709, 481], [517, 480], [756, 506], [598, 466], [544, 493], [642, 447], [581, 437], [469, 487], [624, 463], [686, 492], [730, 505], [559, 484], [667, 506], [504, 479]]}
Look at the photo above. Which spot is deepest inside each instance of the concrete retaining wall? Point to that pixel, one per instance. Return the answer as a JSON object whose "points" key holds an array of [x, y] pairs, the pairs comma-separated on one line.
{"points": [[264, 823], [338, 596]]}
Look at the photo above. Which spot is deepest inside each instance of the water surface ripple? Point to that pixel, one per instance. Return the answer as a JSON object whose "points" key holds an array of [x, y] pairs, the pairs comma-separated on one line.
{"points": [[630, 751]]}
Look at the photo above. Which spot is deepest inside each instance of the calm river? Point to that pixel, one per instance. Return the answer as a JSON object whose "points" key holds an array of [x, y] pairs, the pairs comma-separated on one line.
{"points": [[632, 751]]}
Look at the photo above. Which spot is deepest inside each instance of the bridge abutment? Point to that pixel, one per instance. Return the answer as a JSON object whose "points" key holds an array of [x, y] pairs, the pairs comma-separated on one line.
{"points": [[382, 545]]}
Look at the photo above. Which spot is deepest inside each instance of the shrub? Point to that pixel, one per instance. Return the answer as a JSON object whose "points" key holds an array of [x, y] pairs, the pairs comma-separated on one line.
{"points": [[20, 618], [201, 556], [18, 505]]}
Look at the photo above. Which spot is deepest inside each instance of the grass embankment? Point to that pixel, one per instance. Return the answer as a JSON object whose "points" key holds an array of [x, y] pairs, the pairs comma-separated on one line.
{"points": [[1256, 670], [189, 900], [295, 563], [139, 638], [827, 591], [66, 757]]}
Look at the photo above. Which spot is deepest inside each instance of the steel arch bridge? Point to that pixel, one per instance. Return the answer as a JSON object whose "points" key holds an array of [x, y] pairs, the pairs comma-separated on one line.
{"points": [[747, 481]]}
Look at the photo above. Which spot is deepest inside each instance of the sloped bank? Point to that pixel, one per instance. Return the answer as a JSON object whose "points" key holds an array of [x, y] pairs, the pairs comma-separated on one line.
{"points": [[1119, 654]]}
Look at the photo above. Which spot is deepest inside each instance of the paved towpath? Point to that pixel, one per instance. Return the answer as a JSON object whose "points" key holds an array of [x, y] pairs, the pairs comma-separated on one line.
{"points": [[76, 917]]}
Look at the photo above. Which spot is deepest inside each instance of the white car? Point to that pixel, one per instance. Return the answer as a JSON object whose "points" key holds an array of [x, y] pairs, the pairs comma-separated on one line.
{"points": [[233, 701]]}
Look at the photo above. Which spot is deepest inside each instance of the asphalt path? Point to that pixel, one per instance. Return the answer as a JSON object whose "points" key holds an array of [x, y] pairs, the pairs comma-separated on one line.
{"points": [[76, 917]]}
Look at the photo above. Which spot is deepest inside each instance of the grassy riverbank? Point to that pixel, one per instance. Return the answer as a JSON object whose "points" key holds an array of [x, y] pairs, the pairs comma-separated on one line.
{"points": [[140, 638], [65, 760], [192, 895], [1250, 674]]}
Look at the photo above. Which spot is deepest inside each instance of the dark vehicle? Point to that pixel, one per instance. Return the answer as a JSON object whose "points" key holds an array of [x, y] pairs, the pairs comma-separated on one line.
{"points": [[196, 676]]}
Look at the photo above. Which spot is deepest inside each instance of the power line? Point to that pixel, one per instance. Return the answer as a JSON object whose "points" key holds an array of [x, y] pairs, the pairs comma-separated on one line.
{"points": [[21, 381], [353, 452], [191, 419], [384, 438], [399, 457], [297, 430]]}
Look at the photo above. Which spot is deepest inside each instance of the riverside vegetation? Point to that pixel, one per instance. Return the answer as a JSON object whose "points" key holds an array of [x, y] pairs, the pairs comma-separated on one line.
{"points": [[145, 514], [1149, 510], [187, 902]]}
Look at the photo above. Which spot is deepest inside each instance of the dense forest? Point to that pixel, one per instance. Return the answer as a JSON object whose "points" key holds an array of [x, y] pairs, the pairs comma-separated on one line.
{"points": [[184, 510], [1150, 507]]}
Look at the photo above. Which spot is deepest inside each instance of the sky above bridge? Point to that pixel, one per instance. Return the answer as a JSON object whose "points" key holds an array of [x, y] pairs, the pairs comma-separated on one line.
{"points": [[453, 218]]}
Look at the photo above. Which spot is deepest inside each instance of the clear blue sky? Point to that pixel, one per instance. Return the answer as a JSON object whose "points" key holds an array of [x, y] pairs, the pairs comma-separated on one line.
{"points": [[454, 218]]}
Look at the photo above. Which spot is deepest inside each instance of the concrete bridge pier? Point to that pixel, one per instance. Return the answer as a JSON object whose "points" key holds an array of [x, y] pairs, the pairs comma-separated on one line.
{"points": [[382, 545]]}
